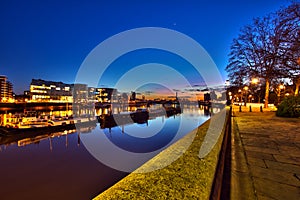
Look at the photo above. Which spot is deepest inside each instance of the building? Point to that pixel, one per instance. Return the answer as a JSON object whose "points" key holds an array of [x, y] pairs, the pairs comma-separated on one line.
{"points": [[80, 93], [106, 95], [6, 90], [91, 94], [50, 91]]}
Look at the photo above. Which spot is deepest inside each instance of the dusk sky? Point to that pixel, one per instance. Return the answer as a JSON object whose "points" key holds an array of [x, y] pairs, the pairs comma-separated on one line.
{"points": [[50, 39]]}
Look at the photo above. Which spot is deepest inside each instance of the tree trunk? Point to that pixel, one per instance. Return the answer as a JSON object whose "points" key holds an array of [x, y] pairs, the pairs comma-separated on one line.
{"points": [[297, 87], [267, 93]]}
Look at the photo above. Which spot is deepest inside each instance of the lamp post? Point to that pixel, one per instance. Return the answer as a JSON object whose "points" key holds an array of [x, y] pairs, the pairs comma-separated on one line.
{"points": [[246, 88], [230, 97], [255, 81]]}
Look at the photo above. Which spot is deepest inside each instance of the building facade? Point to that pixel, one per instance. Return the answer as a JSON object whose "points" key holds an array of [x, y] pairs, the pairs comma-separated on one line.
{"points": [[106, 95], [80, 93], [50, 91], [6, 90]]}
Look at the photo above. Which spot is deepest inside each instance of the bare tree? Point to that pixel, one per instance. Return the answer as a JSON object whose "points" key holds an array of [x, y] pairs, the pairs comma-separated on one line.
{"points": [[267, 49], [253, 54], [287, 31]]}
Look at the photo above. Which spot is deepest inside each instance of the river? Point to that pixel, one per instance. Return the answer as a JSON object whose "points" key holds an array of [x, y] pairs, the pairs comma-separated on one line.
{"points": [[60, 166]]}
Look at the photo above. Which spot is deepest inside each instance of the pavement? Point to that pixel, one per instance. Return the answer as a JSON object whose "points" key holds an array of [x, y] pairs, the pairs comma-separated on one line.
{"points": [[265, 156]]}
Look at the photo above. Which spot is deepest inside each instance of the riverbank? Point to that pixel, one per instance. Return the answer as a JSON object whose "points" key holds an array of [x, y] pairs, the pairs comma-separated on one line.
{"points": [[265, 156], [188, 177]]}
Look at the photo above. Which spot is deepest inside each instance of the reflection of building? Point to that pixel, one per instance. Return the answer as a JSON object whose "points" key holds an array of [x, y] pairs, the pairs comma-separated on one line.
{"points": [[41, 90], [133, 96], [6, 90], [106, 95], [80, 93], [207, 97]]}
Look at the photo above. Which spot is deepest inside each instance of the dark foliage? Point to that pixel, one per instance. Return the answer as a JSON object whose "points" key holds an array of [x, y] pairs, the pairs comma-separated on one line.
{"points": [[289, 107]]}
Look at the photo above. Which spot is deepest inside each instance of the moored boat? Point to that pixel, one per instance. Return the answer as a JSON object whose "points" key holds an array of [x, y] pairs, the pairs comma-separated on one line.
{"points": [[16, 124]]}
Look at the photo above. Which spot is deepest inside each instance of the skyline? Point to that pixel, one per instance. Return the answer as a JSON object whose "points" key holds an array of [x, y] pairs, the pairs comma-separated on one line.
{"points": [[50, 41]]}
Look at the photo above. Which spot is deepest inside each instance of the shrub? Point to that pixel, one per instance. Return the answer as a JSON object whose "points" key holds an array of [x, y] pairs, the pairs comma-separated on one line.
{"points": [[289, 107]]}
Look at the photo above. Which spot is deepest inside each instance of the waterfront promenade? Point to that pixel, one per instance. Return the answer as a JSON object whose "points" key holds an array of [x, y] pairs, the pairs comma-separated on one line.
{"points": [[265, 156]]}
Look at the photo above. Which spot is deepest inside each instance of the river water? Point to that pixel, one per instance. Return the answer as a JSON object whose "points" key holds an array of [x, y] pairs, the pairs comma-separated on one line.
{"points": [[60, 166]]}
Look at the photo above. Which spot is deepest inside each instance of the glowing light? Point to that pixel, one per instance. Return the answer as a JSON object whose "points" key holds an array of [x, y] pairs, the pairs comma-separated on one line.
{"points": [[281, 87], [254, 81]]}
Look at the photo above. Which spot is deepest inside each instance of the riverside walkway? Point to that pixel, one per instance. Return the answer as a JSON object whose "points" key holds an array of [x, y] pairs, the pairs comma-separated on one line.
{"points": [[265, 156]]}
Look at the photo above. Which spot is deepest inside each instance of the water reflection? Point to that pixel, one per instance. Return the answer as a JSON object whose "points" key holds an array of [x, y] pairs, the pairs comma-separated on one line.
{"points": [[121, 116], [116, 119], [61, 162]]}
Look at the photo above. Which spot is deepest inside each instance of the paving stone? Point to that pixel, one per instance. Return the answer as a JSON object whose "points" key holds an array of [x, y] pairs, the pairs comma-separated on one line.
{"points": [[256, 162], [262, 197], [283, 166], [287, 159], [276, 190], [272, 148], [264, 156], [290, 150], [261, 144], [275, 175], [261, 150]]}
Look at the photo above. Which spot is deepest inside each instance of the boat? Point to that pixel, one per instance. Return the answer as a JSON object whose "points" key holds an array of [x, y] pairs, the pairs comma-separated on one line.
{"points": [[171, 110], [139, 116], [16, 124]]}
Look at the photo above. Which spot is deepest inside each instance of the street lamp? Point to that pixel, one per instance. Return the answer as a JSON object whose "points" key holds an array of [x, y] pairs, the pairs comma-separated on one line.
{"points": [[250, 97], [230, 97], [246, 88], [254, 81]]}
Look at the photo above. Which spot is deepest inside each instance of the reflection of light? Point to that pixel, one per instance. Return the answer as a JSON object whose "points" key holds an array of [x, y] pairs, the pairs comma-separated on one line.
{"points": [[229, 93], [287, 94], [246, 88]]}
